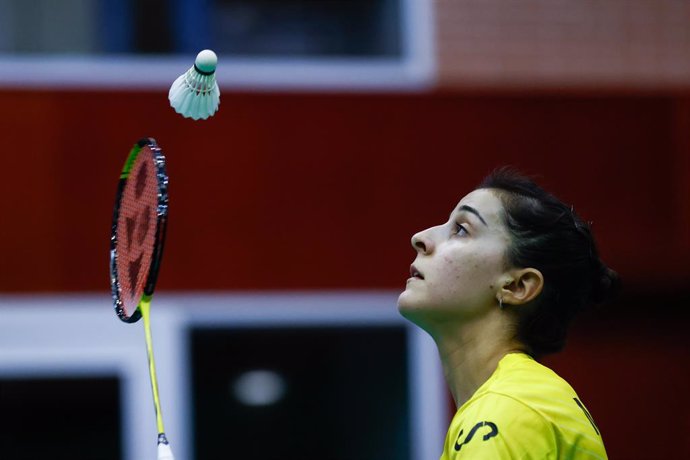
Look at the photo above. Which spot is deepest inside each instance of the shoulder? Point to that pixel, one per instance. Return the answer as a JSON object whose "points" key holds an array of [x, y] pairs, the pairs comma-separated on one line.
{"points": [[524, 411], [498, 426], [526, 380], [518, 367], [546, 393]]}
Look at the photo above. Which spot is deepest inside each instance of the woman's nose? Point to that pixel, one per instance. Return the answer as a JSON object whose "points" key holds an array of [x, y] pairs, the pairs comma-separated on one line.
{"points": [[422, 243]]}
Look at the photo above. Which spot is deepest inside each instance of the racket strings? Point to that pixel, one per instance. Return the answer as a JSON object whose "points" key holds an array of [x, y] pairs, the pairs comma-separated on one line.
{"points": [[136, 238]]}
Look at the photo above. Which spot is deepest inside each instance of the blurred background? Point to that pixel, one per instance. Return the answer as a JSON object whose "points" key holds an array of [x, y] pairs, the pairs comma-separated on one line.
{"points": [[344, 127]]}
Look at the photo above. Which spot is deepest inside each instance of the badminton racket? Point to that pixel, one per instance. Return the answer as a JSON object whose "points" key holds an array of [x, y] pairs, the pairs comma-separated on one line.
{"points": [[136, 248]]}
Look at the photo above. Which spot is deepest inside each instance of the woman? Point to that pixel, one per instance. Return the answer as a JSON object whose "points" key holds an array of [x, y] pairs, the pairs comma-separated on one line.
{"points": [[496, 287]]}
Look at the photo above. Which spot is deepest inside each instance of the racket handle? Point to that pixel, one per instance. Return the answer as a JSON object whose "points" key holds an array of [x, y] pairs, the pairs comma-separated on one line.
{"points": [[164, 450]]}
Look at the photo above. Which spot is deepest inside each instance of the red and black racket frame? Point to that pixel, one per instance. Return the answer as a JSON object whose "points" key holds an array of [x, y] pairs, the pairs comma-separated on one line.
{"points": [[161, 225]]}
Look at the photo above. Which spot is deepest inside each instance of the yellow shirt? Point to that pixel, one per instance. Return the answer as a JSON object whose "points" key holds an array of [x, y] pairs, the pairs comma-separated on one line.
{"points": [[524, 411]]}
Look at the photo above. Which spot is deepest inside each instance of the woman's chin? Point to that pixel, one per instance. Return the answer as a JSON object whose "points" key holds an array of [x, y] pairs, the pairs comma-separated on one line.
{"points": [[404, 301], [409, 307], [416, 313]]}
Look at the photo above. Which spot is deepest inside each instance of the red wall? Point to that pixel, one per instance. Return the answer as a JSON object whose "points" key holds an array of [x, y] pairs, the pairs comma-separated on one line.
{"points": [[323, 191]]}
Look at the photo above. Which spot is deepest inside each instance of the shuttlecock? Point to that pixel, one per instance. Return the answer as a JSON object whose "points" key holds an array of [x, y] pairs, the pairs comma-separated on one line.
{"points": [[195, 93]]}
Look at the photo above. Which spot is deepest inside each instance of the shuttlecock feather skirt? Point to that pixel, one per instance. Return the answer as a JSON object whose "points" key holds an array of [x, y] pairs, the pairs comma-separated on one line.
{"points": [[195, 95]]}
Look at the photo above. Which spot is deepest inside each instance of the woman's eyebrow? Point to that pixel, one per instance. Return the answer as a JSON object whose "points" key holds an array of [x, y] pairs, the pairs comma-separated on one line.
{"points": [[464, 207]]}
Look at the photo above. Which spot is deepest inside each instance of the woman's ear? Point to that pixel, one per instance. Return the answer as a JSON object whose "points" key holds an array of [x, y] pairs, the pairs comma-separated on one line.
{"points": [[523, 286]]}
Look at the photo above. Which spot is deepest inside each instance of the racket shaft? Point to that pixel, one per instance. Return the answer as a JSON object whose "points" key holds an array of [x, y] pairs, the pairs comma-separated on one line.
{"points": [[145, 307]]}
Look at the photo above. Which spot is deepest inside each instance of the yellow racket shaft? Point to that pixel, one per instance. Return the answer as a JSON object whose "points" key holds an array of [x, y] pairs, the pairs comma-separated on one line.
{"points": [[145, 307]]}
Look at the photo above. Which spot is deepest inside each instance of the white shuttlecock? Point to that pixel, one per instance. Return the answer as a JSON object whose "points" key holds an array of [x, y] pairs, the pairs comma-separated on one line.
{"points": [[195, 93]]}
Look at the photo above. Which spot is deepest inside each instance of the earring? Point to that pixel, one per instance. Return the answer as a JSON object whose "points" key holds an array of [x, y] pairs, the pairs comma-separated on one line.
{"points": [[500, 303]]}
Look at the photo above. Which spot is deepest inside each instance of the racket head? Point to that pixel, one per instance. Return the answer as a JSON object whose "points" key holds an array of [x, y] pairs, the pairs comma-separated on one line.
{"points": [[138, 231]]}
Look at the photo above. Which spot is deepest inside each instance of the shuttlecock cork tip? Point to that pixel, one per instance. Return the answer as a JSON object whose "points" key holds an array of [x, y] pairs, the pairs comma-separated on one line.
{"points": [[206, 61]]}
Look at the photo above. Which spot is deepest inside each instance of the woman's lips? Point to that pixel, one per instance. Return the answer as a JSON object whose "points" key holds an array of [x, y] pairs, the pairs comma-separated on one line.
{"points": [[414, 273]]}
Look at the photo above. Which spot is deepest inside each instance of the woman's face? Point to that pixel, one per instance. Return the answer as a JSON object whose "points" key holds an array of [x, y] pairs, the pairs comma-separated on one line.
{"points": [[460, 265]]}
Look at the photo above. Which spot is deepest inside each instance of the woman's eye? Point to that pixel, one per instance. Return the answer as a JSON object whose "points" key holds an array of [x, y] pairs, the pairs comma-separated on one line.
{"points": [[460, 230]]}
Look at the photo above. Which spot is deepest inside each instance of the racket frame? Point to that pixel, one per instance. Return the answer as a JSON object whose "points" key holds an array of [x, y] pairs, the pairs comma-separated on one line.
{"points": [[158, 162]]}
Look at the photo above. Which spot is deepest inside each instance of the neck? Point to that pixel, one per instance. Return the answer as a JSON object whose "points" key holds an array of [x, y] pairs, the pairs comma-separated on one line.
{"points": [[471, 349]]}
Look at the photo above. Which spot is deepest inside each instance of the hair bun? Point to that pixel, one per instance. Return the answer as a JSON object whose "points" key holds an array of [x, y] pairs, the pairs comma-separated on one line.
{"points": [[605, 286]]}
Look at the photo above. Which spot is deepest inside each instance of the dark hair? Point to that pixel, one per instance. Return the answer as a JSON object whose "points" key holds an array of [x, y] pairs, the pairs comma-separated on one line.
{"points": [[548, 235]]}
